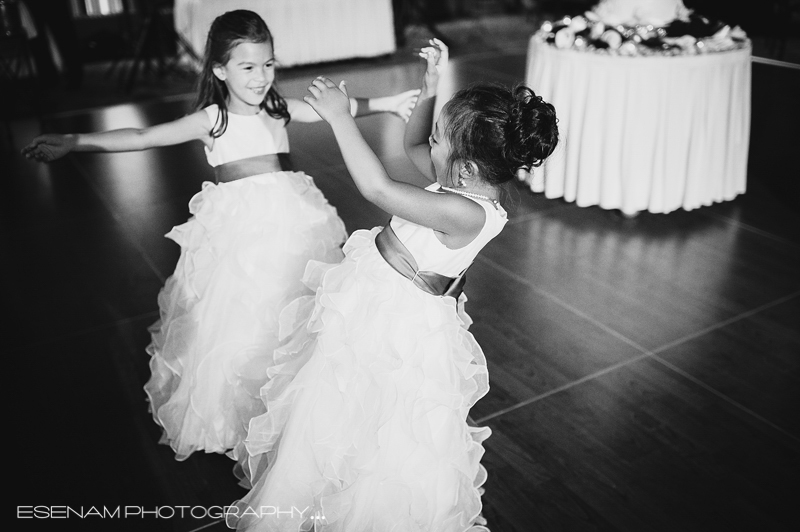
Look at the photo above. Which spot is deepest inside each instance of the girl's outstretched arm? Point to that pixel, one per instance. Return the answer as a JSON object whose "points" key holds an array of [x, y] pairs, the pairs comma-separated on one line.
{"points": [[49, 147], [450, 214], [400, 104], [416, 140]]}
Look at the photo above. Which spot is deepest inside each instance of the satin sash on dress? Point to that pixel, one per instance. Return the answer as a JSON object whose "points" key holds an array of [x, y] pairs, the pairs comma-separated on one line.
{"points": [[400, 258], [260, 164]]}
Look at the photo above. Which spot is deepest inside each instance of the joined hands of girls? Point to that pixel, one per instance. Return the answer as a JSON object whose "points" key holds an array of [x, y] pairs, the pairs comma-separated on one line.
{"points": [[330, 101], [436, 56]]}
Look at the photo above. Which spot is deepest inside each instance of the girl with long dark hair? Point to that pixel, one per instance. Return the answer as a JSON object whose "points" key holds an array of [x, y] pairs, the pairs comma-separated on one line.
{"points": [[245, 248]]}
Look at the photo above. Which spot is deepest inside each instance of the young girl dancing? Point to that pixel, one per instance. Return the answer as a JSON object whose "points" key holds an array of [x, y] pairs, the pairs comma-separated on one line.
{"points": [[244, 251], [366, 423]]}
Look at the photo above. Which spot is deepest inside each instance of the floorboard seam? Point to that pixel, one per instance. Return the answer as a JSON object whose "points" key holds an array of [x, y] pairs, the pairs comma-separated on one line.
{"points": [[726, 322], [526, 282], [646, 353], [750, 228], [563, 387], [725, 398], [212, 523], [710, 388]]}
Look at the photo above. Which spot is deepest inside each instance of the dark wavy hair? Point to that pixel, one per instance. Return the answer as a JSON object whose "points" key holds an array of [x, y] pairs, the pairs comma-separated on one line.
{"points": [[500, 129], [227, 31]]}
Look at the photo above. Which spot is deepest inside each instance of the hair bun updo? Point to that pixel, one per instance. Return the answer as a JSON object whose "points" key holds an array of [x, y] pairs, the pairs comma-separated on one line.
{"points": [[531, 131], [499, 129]]}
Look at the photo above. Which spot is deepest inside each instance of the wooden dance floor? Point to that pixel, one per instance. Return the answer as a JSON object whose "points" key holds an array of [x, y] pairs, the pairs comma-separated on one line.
{"points": [[644, 372]]}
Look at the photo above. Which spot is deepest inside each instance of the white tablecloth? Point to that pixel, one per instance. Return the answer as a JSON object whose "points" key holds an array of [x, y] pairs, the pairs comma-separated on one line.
{"points": [[305, 31], [655, 133]]}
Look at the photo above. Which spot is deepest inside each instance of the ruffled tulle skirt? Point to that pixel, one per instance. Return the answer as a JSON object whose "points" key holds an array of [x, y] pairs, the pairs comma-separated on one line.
{"points": [[243, 254], [367, 402]]}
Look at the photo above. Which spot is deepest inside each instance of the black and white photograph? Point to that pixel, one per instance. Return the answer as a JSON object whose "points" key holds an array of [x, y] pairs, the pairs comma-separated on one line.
{"points": [[401, 265]]}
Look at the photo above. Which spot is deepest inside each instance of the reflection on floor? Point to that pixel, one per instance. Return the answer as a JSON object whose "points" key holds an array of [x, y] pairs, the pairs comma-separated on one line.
{"points": [[644, 372]]}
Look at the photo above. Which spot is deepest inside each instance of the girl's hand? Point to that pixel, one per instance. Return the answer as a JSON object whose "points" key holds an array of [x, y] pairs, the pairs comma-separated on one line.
{"points": [[48, 148], [436, 56], [329, 101], [402, 104]]}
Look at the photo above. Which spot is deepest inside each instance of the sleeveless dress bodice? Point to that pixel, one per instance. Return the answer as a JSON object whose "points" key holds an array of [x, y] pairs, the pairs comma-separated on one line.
{"points": [[432, 255], [246, 136]]}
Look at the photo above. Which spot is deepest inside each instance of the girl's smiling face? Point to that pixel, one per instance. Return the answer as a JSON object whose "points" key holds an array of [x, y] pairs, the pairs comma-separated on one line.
{"points": [[248, 74]]}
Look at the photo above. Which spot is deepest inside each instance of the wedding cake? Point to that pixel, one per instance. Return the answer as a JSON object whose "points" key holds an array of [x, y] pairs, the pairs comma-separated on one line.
{"points": [[638, 12], [642, 28]]}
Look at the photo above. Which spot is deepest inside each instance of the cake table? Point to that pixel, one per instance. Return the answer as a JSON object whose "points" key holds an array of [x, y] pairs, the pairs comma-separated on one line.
{"points": [[643, 133]]}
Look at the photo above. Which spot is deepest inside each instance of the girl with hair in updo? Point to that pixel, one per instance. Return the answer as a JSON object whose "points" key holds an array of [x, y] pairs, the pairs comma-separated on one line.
{"points": [[244, 251], [368, 396]]}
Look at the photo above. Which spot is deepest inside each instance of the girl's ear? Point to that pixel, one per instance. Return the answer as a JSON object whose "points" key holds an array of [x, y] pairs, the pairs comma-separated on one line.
{"points": [[219, 72], [468, 170]]}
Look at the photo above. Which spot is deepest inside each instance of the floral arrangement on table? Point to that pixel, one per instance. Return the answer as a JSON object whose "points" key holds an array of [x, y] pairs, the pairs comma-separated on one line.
{"points": [[642, 28]]}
